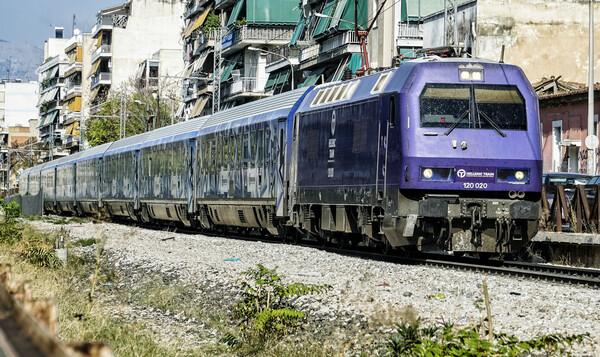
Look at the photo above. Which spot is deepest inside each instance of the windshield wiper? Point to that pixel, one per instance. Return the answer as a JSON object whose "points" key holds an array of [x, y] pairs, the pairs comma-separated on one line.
{"points": [[492, 124], [460, 119]]}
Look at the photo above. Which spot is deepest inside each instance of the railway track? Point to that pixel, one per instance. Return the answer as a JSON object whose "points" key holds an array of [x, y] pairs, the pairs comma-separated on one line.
{"points": [[546, 272]]}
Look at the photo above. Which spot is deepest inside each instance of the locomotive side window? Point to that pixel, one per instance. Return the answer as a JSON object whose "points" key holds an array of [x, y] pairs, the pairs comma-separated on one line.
{"points": [[497, 107]]}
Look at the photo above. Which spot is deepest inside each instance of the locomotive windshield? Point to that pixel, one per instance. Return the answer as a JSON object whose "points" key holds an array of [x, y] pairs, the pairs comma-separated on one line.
{"points": [[472, 106]]}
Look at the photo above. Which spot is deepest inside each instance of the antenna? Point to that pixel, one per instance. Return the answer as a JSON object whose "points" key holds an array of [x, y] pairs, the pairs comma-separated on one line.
{"points": [[74, 23]]}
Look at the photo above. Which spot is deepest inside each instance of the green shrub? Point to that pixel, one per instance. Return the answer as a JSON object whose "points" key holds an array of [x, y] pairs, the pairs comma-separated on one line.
{"points": [[42, 257], [410, 340], [265, 311]]}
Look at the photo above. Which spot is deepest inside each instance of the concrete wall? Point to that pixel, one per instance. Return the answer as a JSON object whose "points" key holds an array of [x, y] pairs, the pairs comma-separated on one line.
{"points": [[20, 103], [543, 37], [152, 25]]}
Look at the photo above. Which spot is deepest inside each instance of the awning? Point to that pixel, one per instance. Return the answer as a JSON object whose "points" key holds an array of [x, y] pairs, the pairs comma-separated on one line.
{"points": [[403, 11], [51, 74], [76, 131], [42, 120], [179, 111], [283, 77], [199, 62], [188, 70], [49, 118], [198, 106], [355, 62], [271, 81], [48, 96], [337, 15], [94, 94], [231, 62], [75, 104], [348, 15], [201, 18], [298, 31], [312, 78], [324, 21], [235, 13], [99, 42], [69, 129], [188, 30], [95, 69], [280, 12]]}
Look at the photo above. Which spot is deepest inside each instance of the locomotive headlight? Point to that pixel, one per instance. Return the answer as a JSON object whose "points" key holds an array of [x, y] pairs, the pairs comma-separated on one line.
{"points": [[465, 75], [427, 173], [476, 76], [519, 175], [437, 174], [514, 176]]}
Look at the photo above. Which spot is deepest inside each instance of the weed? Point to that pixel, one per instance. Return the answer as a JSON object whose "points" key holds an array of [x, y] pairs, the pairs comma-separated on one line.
{"points": [[42, 257], [265, 311], [85, 242]]}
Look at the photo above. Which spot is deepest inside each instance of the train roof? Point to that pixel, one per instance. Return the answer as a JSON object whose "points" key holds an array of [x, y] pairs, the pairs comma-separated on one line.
{"points": [[180, 131], [277, 106], [127, 144], [94, 152]]}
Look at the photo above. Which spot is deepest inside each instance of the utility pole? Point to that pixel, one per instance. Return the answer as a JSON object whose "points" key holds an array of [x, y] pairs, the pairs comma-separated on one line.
{"points": [[217, 71], [450, 25], [591, 141]]}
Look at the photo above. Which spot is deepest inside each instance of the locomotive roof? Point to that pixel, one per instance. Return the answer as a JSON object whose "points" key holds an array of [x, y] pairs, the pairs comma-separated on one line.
{"points": [[180, 131]]}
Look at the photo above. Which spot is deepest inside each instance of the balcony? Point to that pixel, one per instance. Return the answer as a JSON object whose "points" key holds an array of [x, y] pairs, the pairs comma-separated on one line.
{"points": [[341, 44], [245, 35], [102, 78], [243, 87], [410, 35], [73, 68], [193, 7], [102, 51], [73, 90], [103, 22], [343, 39], [309, 53], [71, 117], [204, 41]]}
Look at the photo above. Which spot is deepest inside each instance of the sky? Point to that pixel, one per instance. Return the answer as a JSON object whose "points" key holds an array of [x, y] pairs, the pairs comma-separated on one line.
{"points": [[33, 21]]}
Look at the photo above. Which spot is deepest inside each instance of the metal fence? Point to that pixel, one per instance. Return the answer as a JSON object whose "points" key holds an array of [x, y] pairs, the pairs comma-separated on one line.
{"points": [[571, 208], [31, 205]]}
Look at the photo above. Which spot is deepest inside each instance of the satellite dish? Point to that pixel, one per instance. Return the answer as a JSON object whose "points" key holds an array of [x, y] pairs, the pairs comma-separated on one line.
{"points": [[76, 32]]}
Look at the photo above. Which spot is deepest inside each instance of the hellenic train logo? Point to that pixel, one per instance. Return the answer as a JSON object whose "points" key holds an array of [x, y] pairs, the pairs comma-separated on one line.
{"points": [[461, 173], [333, 123]]}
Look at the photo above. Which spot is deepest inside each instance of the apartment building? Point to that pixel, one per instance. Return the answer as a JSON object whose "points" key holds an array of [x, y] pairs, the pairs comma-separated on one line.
{"points": [[71, 101], [127, 35], [233, 37], [51, 80]]}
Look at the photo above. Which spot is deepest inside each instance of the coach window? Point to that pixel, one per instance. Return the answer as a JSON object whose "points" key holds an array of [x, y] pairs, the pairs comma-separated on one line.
{"points": [[274, 147], [261, 146], [252, 149], [239, 146], [246, 154], [268, 146]]}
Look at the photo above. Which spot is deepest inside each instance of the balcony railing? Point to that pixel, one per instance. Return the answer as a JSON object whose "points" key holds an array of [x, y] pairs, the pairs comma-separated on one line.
{"points": [[103, 49], [345, 38], [248, 33], [410, 31], [73, 66], [282, 51], [100, 78], [243, 85], [73, 89], [309, 52]]}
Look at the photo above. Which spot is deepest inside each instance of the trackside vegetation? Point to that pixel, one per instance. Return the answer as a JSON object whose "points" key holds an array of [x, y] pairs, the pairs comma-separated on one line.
{"points": [[259, 320]]}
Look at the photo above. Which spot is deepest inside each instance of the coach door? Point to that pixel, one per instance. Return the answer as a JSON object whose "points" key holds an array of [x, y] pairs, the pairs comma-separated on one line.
{"points": [[191, 184], [136, 180], [278, 158]]}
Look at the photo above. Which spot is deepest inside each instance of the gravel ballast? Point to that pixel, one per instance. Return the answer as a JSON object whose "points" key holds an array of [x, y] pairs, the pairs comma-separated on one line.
{"points": [[368, 297]]}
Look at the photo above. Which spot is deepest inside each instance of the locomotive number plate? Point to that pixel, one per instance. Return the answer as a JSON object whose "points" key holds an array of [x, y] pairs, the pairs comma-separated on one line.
{"points": [[475, 185]]}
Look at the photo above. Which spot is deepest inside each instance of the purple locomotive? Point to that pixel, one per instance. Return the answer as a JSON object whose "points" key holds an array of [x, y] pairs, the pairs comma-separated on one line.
{"points": [[440, 153]]}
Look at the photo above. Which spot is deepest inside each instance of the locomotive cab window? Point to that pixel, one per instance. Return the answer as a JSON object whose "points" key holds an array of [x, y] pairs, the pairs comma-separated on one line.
{"points": [[496, 107]]}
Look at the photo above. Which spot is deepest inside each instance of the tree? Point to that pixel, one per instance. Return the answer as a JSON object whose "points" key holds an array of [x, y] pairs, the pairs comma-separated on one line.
{"points": [[132, 110]]}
